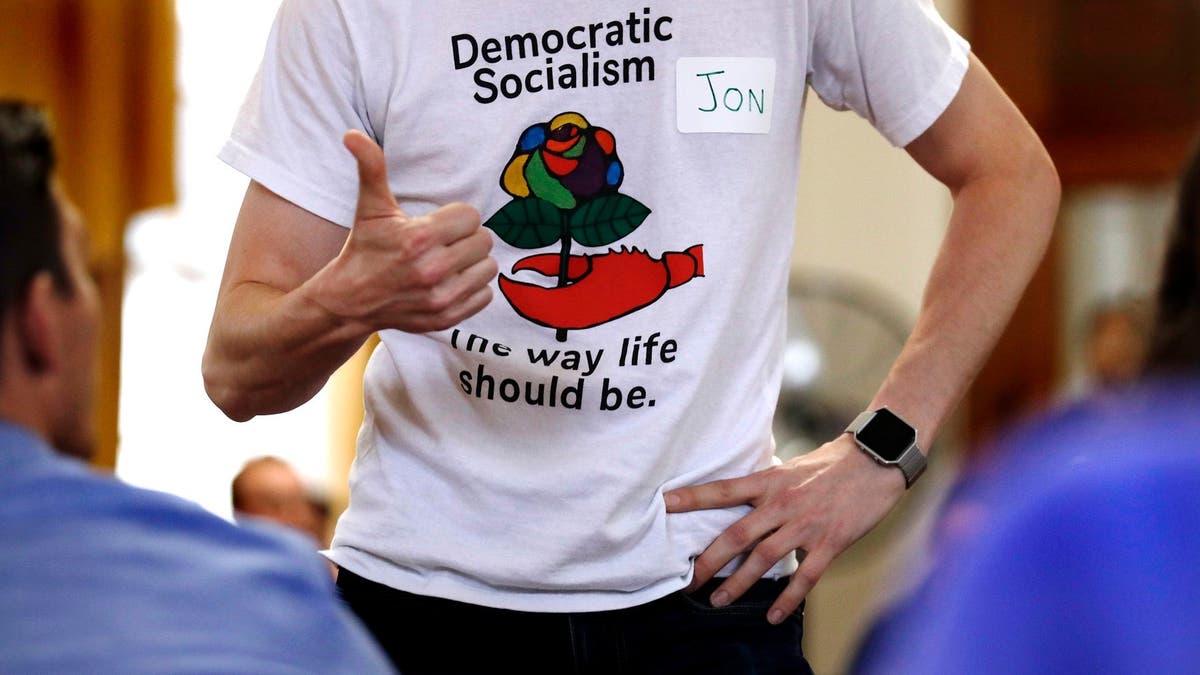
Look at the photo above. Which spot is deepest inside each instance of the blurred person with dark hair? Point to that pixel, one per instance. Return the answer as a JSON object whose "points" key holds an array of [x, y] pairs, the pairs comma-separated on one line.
{"points": [[1175, 337], [1072, 548], [98, 576], [1115, 341], [268, 488]]}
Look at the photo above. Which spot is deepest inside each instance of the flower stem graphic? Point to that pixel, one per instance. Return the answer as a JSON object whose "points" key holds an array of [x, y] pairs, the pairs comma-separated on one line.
{"points": [[564, 261]]}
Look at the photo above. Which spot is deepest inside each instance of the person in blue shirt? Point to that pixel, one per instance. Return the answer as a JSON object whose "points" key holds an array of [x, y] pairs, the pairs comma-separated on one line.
{"points": [[97, 576], [1072, 548]]}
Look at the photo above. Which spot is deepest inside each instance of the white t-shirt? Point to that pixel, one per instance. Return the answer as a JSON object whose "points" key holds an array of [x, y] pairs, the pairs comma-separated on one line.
{"points": [[499, 464]]}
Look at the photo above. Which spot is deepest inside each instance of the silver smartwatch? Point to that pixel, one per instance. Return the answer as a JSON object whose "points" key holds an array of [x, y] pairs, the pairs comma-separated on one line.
{"points": [[890, 441]]}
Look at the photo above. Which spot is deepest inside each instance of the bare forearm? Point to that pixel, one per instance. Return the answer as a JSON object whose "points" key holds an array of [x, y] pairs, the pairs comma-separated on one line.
{"points": [[999, 230], [301, 294], [270, 351]]}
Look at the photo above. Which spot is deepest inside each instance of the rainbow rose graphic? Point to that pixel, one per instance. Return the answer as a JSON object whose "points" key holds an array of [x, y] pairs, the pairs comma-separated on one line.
{"points": [[563, 176]]}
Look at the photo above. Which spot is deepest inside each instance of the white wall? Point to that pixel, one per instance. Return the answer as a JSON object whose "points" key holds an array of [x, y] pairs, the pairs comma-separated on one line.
{"points": [[172, 437]]}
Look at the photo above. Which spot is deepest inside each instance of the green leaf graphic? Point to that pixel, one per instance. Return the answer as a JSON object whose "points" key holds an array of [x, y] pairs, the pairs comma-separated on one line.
{"points": [[527, 223], [606, 219]]}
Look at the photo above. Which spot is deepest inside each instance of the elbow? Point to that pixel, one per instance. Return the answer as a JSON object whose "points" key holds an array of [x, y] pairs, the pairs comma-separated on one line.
{"points": [[1045, 174], [1024, 182], [224, 392], [1045, 189], [232, 410]]}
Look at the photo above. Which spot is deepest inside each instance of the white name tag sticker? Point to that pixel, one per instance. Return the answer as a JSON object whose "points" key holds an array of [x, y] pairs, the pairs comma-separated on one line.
{"points": [[732, 95]]}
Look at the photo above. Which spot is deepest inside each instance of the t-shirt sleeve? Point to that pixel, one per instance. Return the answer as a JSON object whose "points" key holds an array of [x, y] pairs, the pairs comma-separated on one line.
{"points": [[307, 94], [894, 62]]}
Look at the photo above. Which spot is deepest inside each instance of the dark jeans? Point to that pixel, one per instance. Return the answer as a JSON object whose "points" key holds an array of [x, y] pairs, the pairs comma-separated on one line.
{"points": [[680, 633]]}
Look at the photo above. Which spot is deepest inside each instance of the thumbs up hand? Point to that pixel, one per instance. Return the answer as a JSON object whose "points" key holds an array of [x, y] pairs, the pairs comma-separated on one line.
{"points": [[414, 274]]}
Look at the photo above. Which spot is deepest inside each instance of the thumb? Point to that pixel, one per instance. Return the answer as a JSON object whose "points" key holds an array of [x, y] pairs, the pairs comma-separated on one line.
{"points": [[374, 194]]}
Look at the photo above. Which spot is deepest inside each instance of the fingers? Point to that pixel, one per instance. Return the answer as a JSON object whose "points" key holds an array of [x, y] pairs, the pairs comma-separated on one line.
{"points": [[765, 555], [435, 250], [374, 194], [465, 252], [453, 222], [715, 495], [451, 316], [772, 548], [811, 568], [467, 284], [740, 537], [449, 302]]}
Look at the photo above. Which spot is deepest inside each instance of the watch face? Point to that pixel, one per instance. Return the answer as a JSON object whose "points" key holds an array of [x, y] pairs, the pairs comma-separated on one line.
{"points": [[887, 435]]}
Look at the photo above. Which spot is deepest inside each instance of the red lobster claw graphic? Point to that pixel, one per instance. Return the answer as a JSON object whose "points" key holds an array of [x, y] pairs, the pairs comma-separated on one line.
{"points": [[600, 287]]}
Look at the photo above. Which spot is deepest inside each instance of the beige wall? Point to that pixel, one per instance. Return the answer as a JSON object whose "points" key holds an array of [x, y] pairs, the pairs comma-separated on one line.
{"points": [[866, 210]]}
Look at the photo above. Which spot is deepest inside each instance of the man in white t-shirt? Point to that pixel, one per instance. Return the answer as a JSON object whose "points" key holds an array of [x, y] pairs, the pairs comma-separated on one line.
{"points": [[577, 453]]}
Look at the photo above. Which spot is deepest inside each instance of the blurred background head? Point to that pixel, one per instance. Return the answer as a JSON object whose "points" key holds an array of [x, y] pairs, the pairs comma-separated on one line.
{"points": [[270, 489], [48, 305], [1115, 341]]}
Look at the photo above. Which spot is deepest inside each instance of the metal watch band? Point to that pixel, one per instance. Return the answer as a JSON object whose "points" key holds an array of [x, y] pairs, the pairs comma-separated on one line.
{"points": [[911, 462], [860, 421]]}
